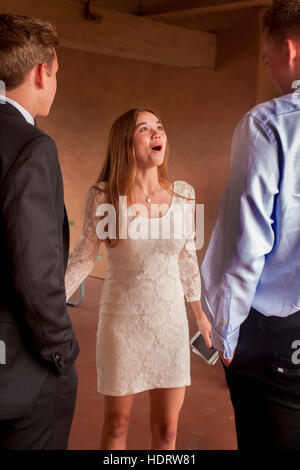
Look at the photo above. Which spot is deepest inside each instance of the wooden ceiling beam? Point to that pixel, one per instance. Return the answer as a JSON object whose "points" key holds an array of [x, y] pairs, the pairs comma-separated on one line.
{"points": [[152, 7], [198, 11], [120, 34]]}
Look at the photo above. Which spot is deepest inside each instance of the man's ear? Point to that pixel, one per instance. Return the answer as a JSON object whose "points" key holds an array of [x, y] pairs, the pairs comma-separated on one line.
{"points": [[292, 49], [40, 72]]}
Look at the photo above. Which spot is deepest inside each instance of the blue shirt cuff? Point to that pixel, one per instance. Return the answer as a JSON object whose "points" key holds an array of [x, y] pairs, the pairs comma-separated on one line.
{"points": [[225, 345]]}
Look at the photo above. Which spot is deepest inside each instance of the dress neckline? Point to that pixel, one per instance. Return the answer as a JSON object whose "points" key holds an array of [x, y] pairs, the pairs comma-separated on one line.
{"points": [[168, 210]]}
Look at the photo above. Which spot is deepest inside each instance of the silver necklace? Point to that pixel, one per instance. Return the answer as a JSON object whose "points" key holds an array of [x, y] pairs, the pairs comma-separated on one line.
{"points": [[148, 198]]}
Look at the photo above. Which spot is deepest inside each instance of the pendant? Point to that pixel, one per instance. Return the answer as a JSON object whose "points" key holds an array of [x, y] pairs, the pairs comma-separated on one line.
{"points": [[148, 199]]}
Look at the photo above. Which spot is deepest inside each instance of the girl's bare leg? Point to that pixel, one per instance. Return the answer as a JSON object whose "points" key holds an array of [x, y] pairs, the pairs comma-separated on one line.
{"points": [[165, 406], [117, 412]]}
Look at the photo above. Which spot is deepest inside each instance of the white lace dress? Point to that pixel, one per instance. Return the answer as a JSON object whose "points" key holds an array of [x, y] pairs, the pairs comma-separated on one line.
{"points": [[143, 334]]}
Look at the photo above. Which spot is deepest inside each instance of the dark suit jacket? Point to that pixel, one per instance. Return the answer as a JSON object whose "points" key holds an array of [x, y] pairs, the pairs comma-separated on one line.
{"points": [[35, 328]]}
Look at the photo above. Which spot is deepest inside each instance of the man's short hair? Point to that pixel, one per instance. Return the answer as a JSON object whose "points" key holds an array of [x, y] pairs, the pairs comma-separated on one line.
{"points": [[282, 20], [24, 43]]}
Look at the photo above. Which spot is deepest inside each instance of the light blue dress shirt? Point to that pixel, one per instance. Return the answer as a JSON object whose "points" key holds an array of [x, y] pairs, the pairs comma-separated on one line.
{"points": [[22, 110], [253, 258]]}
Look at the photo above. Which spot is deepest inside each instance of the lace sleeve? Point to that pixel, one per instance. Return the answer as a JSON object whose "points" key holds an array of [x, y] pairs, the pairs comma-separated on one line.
{"points": [[187, 260], [86, 247]]}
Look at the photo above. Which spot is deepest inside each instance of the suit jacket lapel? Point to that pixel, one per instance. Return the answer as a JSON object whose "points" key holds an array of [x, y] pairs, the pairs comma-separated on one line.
{"points": [[66, 237]]}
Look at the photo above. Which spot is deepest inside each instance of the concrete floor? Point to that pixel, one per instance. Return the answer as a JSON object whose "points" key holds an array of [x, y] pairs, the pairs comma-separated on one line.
{"points": [[206, 420]]}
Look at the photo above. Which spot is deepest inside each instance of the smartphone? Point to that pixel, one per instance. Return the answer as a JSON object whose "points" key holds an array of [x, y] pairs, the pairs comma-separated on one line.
{"points": [[199, 347]]}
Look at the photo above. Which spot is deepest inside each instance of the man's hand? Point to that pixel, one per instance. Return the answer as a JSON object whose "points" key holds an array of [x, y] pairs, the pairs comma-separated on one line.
{"points": [[226, 362]]}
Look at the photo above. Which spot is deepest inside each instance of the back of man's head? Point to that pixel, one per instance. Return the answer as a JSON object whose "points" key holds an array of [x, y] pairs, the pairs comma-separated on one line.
{"points": [[24, 43], [282, 20]]}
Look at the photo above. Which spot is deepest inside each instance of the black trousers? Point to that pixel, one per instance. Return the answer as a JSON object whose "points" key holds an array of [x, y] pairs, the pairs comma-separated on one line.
{"points": [[264, 383], [47, 426]]}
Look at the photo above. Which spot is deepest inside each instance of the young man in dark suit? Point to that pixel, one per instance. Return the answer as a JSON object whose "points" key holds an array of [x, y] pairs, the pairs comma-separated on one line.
{"points": [[38, 377]]}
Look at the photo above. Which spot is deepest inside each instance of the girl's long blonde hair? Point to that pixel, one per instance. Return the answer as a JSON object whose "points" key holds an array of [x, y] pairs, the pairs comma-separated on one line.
{"points": [[119, 167]]}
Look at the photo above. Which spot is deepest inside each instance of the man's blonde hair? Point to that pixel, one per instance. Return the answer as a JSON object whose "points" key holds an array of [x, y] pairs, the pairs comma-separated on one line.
{"points": [[24, 43]]}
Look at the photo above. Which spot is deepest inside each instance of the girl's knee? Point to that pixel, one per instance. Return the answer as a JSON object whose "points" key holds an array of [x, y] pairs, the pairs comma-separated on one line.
{"points": [[117, 424], [167, 434]]}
